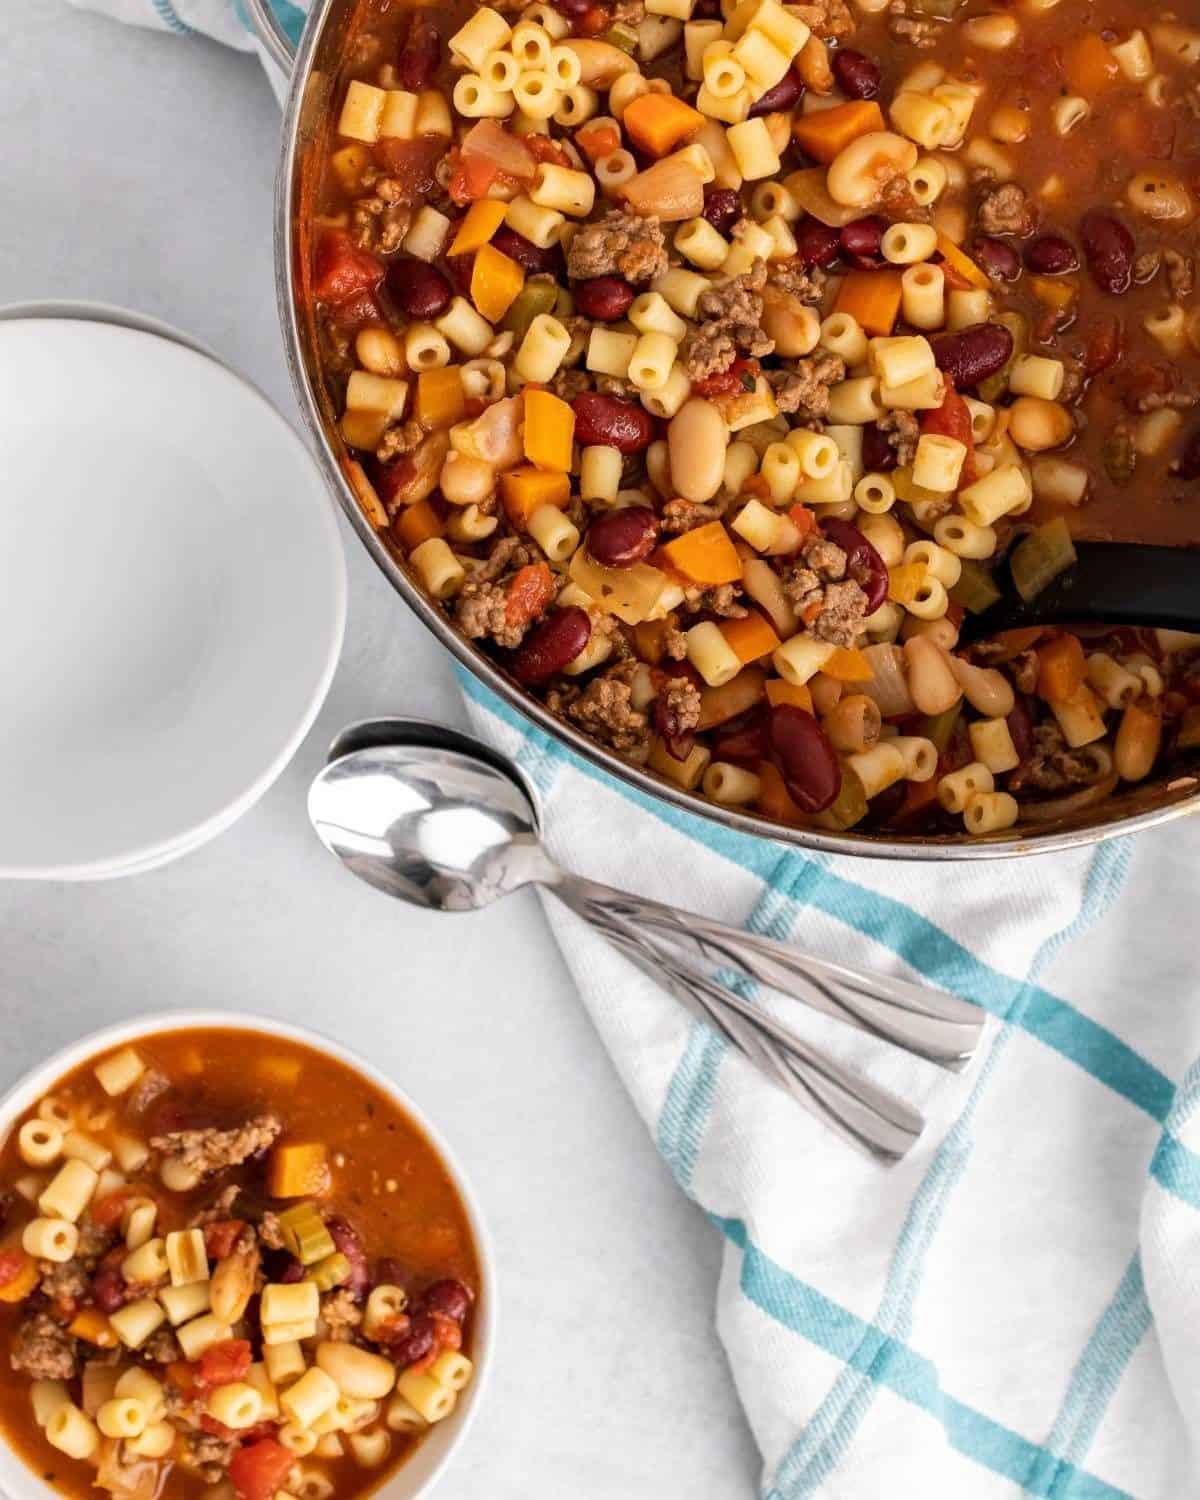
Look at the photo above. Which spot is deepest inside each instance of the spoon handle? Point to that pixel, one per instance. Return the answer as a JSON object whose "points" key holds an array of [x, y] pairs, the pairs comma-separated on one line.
{"points": [[855, 1109], [928, 1022]]}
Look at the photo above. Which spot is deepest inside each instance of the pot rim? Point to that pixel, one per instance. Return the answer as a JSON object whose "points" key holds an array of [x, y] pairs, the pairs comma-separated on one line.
{"points": [[1008, 845]]}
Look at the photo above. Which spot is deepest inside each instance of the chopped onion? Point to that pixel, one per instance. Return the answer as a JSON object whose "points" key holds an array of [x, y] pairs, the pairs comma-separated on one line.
{"points": [[672, 189], [1063, 807], [889, 686], [507, 153]]}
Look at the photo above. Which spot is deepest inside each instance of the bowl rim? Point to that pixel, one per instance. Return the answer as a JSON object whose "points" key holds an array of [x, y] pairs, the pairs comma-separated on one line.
{"points": [[1009, 845], [26, 1089]]}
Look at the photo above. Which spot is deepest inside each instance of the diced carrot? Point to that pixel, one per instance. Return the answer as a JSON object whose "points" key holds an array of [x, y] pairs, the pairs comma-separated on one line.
{"points": [[773, 799], [705, 555], [794, 693], [826, 132], [93, 1327], [549, 431], [1089, 65], [750, 638], [525, 490], [919, 796], [532, 588], [415, 524], [872, 298], [848, 664], [1060, 668], [802, 519], [441, 401], [1011, 643], [657, 123], [962, 264], [479, 223], [182, 1376], [904, 582], [596, 141], [496, 280], [18, 1275], [757, 486]]}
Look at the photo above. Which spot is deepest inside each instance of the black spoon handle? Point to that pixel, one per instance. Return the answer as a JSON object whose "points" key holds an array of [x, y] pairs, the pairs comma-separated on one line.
{"points": [[1118, 583]]}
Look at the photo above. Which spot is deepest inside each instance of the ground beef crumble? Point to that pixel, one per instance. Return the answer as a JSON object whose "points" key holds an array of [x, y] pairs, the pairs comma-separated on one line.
{"points": [[209, 1456], [382, 218], [721, 600], [619, 244], [405, 437], [680, 704], [341, 1314], [605, 711], [1007, 210], [678, 516], [1053, 766], [806, 284], [903, 432], [832, 605], [481, 608], [204, 1152], [270, 1232], [802, 386], [162, 1348], [149, 1087], [730, 322], [917, 31], [44, 1350], [828, 19], [68, 1282]]}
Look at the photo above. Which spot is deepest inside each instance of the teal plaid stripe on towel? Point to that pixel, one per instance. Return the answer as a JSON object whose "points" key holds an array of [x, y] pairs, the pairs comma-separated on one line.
{"points": [[1015, 1309]]}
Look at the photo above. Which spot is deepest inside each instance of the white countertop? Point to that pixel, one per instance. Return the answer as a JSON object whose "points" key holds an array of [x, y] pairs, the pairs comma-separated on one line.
{"points": [[138, 169]]}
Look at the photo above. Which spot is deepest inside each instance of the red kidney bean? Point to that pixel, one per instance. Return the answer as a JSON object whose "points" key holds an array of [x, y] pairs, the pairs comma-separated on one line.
{"points": [[817, 244], [604, 298], [878, 455], [620, 538], [573, 8], [997, 258], [550, 645], [860, 242], [742, 740], [806, 760], [863, 563], [722, 208], [1020, 726], [1189, 461], [348, 1242], [1109, 249], [525, 252], [608, 420], [706, 10], [417, 1341], [856, 73], [784, 95], [292, 1271], [974, 353], [7, 1204], [421, 290], [448, 1297], [678, 741], [109, 1291], [420, 55], [1051, 255], [389, 1271]]}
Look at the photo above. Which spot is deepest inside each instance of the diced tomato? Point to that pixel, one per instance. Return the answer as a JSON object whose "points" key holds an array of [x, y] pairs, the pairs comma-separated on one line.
{"points": [[223, 1364], [209, 1424], [724, 383], [182, 1376], [542, 148], [341, 270], [220, 1237], [953, 419], [259, 1469], [802, 519], [593, 21], [596, 141], [356, 312], [413, 164], [756, 485], [1103, 346], [107, 1211], [529, 593], [12, 1263], [471, 178]]}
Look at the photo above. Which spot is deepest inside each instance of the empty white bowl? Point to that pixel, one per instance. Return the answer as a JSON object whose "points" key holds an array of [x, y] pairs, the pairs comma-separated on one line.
{"points": [[174, 597], [432, 1455]]}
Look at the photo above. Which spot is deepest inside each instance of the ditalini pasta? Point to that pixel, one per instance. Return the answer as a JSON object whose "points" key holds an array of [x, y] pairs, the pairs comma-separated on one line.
{"points": [[252, 1330]]}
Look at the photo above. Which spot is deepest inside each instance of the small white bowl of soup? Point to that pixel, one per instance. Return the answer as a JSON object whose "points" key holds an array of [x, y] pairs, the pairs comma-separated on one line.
{"points": [[236, 1263]]}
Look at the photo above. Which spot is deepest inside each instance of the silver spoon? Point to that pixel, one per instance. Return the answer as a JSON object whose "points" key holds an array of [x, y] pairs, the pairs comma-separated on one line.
{"points": [[930, 1023], [452, 831]]}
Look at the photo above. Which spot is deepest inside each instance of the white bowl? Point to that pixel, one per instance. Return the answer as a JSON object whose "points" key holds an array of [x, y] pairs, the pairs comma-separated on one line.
{"points": [[432, 1455], [174, 604]]}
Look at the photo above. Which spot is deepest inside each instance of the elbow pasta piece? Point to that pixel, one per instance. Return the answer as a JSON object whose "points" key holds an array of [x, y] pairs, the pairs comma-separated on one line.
{"points": [[877, 768], [956, 788], [39, 1143], [938, 462], [440, 572], [237, 1405], [731, 785], [652, 360], [47, 1396], [842, 335], [992, 745], [118, 1074], [564, 190], [875, 494], [70, 1191], [123, 1417], [542, 349], [430, 1399], [486, 31], [669, 397], [710, 654], [136, 1321], [923, 296], [72, 1433], [990, 812], [371, 1449], [314, 1394], [1115, 684], [476, 99], [54, 1240]]}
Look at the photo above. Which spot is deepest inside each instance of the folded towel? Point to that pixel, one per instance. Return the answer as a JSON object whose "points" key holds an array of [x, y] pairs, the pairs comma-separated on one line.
{"points": [[1014, 1308]]}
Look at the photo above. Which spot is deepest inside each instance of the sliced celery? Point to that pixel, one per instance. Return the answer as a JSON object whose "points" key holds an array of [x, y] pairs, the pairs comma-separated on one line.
{"points": [[305, 1234], [534, 298], [1039, 558], [850, 804], [623, 36], [333, 1271], [975, 590], [940, 727]]}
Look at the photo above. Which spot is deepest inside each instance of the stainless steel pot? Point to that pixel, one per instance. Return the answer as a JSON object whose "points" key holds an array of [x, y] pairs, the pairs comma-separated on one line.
{"points": [[313, 70]]}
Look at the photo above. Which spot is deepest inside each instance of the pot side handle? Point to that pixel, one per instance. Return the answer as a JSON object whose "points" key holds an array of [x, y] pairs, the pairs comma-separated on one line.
{"points": [[271, 34]]}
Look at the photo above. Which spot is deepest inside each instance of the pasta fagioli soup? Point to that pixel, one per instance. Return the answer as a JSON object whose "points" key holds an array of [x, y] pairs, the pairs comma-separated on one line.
{"points": [[703, 359], [230, 1269]]}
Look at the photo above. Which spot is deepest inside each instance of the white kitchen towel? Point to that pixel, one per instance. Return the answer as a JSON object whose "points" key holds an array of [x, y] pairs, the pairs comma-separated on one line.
{"points": [[1014, 1309]]}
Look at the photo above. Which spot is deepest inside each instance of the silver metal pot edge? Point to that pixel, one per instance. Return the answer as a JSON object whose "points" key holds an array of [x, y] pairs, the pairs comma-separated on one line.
{"points": [[298, 63]]}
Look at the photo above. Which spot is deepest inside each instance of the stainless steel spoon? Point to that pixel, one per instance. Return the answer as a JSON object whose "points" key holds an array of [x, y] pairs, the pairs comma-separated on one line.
{"points": [[451, 825]]}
